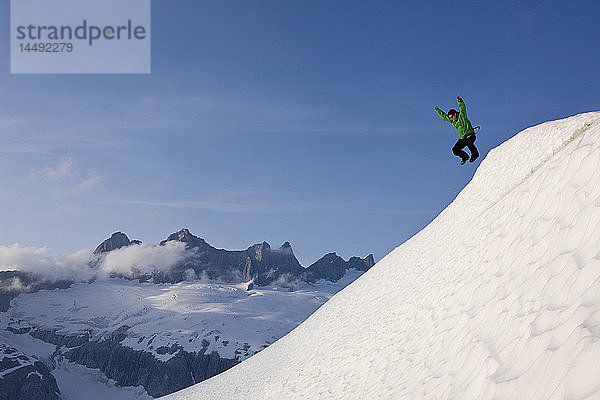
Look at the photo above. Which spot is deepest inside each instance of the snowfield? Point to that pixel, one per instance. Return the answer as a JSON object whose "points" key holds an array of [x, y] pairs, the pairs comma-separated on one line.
{"points": [[498, 298], [195, 316], [163, 319]]}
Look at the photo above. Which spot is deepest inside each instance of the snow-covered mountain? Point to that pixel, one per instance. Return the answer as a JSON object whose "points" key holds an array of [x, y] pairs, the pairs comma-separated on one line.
{"points": [[498, 298], [163, 337], [25, 375], [153, 337]]}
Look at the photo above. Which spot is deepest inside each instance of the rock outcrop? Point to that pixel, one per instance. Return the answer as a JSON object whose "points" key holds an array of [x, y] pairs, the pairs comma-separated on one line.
{"points": [[259, 262], [114, 242], [23, 377], [333, 267], [128, 367]]}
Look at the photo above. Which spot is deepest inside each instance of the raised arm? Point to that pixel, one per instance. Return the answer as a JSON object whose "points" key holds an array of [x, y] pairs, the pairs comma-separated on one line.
{"points": [[461, 106], [442, 114]]}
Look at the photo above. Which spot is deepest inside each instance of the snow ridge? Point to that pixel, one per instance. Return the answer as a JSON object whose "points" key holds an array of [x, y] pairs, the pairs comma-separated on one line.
{"points": [[498, 298], [587, 123]]}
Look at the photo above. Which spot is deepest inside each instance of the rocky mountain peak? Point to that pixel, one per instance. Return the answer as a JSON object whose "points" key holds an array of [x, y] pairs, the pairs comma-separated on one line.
{"points": [[361, 264], [184, 235], [332, 267], [259, 262], [115, 241], [259, 250], [286, 248], [330, 257], [369, 260]]}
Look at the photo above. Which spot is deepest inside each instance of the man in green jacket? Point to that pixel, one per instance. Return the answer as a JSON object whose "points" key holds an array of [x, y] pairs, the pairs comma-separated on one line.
{"points": [[466, 133]]}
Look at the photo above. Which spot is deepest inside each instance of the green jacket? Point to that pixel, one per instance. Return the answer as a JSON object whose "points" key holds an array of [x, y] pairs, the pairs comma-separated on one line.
{"points": [[462, 124]]}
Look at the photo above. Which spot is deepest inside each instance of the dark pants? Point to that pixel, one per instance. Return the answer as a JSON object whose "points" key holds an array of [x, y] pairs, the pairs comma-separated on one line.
{"points": [[466, 142]]}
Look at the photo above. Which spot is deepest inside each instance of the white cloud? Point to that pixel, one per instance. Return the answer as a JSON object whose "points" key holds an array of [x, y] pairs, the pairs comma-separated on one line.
{"points": [[18, 257], [143, 258], [78, 266], [86, 184], [62, 170], [65, 178], [36, 260]]}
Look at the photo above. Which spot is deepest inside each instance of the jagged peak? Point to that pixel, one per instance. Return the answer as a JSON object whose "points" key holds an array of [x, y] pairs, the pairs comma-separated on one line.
{"points": [[184, 235], [286, 248], [115, 241], [184, 232], [260, 246], [258, 250], [331, 257]]}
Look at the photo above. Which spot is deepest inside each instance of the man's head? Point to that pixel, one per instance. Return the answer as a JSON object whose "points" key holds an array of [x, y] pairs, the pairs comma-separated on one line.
{"points": [[453, 114]]}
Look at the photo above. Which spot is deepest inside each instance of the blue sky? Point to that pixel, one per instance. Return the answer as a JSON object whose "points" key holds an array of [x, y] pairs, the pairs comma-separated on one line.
{"points": [[309, 122]]}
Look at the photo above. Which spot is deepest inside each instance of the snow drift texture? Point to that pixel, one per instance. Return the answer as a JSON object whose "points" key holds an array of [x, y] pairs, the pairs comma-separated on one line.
{"points": [[498, 298]]}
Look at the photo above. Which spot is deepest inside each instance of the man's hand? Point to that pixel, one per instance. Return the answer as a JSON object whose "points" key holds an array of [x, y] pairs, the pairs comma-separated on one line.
{"points": [[459, 99]]}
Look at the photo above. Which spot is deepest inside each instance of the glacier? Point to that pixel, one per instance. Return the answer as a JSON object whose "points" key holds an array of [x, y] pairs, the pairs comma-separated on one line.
{"points": [[497, 298], [127, 339]]}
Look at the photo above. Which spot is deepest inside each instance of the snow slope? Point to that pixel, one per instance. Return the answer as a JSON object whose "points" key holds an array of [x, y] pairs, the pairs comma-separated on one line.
{"points": [[498, 298]]}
